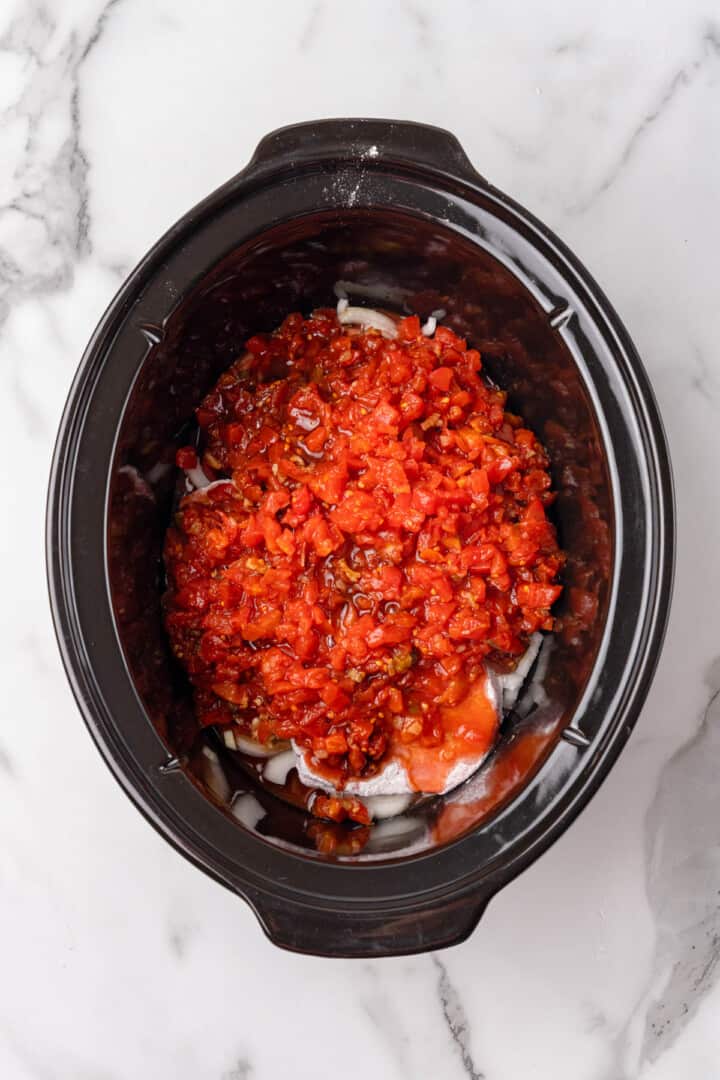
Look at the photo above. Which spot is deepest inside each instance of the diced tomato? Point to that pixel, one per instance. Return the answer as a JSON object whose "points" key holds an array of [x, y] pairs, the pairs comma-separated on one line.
{"points": [[186, 457], [385, 418], [411, 406], [538, 596], [274, 501], [328, 484], [409, 328], [382, 531], [316, 439], [357, 512], [441, 378]]}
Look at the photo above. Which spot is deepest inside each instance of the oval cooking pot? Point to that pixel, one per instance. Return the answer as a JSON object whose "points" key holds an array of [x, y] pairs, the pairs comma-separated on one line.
{"points": [[398, 210]]}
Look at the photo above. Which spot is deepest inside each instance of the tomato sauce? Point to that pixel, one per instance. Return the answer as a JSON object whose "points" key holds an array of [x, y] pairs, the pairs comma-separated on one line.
{"points": [[376, 535]]}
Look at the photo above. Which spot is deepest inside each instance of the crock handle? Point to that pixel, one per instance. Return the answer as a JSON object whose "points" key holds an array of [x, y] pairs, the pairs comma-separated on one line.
{"points": [[369, 141], [367, 934]]}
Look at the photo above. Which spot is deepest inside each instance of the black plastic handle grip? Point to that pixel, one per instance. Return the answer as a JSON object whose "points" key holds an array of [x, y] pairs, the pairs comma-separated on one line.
{"points": [[362, 934], [364, 141]]}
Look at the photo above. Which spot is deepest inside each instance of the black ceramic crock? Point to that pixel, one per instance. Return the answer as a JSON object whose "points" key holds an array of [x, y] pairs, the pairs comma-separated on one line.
{"points": [[398, 209]]}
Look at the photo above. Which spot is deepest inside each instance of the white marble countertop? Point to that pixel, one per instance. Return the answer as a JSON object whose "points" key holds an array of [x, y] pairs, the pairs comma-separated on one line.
{"points": [[120, 960]]}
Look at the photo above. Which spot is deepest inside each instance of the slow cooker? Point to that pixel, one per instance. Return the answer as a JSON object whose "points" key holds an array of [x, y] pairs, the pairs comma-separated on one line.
{"points": [[397, 209]]}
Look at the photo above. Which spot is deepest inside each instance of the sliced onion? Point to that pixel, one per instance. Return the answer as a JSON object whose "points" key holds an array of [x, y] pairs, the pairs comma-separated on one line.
{"points": [[247, 810], [211, 484], [197, 478], [277, 769], [513, 682], [430, 326], [162, 468], [140, 485], [214, 775], [394, 829], [536, 690], [251, 747], [381, 807], [368, 318]]}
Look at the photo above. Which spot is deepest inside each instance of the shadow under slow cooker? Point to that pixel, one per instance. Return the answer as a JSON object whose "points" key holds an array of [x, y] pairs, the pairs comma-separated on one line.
{"points": [[529, 342]]}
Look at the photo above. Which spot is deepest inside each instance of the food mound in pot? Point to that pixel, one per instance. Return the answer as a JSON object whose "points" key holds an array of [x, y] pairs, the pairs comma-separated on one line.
{"points": [[364, 544]]}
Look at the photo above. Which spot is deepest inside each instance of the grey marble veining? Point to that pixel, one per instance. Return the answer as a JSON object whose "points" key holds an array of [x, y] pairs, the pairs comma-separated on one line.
{"points": [[120, 960], [683, 869], [456, 1020]]}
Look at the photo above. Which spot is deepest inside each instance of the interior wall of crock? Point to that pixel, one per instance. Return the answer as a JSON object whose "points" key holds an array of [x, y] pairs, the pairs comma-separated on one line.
{"points": [[403, 264]]}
